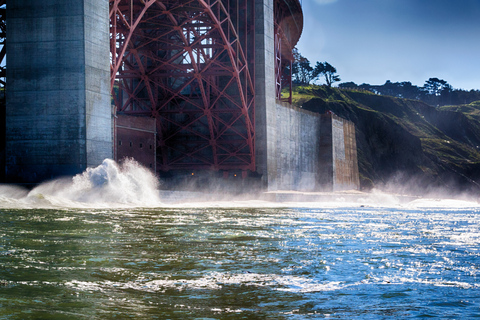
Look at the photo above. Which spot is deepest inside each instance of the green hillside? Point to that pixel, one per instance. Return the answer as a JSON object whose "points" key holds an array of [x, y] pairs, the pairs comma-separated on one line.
{"points": [[405, 142]]}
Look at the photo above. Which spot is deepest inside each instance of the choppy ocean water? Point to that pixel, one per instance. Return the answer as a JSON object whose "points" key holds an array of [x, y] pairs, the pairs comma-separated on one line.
{"points": [[240, 263], [103, 245]]}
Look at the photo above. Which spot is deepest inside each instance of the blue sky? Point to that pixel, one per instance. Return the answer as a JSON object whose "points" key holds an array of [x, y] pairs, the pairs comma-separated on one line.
{"points": [[371, 41]]}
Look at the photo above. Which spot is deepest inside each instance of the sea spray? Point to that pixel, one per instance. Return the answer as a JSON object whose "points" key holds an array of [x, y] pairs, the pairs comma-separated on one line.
{"points": [[112, 185], [108, 184]]}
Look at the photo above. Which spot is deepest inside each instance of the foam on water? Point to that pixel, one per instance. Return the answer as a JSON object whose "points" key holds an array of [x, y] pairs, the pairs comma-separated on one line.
{"points": [[215, 281], [443, 203], [360, 263], [108, 185], [111, 185]]}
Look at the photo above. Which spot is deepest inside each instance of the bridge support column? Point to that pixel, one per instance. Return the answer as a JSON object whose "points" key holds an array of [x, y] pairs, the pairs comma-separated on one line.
{"points": [[265, 109], [58, 91]]}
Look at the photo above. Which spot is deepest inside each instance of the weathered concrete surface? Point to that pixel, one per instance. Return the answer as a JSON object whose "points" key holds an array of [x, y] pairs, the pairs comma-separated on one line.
{"points": [[346, 163], [265, 110], [297, 148], [286, 138], [58, 104], [338, 155]]}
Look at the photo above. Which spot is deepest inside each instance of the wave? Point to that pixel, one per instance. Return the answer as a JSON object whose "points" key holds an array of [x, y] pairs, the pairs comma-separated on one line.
{"points": [[107, 185], [113, 185]]}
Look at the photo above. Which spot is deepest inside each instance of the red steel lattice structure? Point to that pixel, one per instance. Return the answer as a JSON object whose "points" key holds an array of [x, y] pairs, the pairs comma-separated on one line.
{"points": [[190, 65], [3, 37], [288, 28]]}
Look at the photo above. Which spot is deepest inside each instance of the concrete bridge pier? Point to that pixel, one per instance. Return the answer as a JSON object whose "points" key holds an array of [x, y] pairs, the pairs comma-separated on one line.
{"points": [[58, 104], [265, 115]]}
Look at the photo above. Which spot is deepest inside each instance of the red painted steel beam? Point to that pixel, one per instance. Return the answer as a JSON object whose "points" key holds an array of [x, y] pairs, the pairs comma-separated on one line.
{"points": [[288, 28], [189, 64], [3, 38]]}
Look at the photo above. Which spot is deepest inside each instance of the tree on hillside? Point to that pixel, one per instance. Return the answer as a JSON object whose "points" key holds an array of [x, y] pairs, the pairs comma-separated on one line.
{"points": [[435, 86], [302, 72], [399, 89], [389, 88], [328, 71], [438, 91], [409, 91], [347, 85]]}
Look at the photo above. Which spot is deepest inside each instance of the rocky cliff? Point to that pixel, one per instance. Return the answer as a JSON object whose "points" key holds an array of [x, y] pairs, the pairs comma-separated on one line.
{"points": [[406, 145]]}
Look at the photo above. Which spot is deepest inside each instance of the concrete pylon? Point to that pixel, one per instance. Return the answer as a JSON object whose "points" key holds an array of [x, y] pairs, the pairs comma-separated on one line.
{"points": [[58, 110], [265, 116]]}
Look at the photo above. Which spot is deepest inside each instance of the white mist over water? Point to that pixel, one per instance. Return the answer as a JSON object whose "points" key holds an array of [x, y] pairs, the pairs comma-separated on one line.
{"points": [[112, 185], [108, 185]]}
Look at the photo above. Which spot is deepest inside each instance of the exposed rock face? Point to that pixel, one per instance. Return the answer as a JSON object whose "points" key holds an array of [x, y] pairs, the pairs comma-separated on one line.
{"points": [[406, 142]]}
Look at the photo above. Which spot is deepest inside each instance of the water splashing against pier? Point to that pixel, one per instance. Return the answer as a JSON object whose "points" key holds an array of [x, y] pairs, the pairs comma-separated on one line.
{"points": [[107, 185]]}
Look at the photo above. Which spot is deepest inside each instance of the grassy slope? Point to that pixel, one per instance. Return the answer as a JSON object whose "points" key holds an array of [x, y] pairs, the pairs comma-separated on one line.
{"points": [[406, 140]]}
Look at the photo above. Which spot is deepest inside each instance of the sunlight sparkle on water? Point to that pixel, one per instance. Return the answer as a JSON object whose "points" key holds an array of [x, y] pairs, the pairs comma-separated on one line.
{"points": [[223, 263], [75, 249]]}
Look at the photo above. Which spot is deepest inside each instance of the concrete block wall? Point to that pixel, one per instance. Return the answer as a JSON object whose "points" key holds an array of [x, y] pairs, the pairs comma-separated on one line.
{"points": [[297, 148], [338, 155], [58, 104], [346, 162], [326, 167]]}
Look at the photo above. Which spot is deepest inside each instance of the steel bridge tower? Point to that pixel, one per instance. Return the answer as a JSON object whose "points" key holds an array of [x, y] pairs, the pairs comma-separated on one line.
{"points": [[206, 70]]}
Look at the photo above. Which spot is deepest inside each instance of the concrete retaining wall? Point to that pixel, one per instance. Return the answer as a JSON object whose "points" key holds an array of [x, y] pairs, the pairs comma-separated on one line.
{"points": [[288, 139], [311, 152], [338, 168], [297, 148]]}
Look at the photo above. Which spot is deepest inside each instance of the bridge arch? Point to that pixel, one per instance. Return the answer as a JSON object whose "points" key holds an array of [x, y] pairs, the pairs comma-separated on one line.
{"points": [[190, 65]]}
